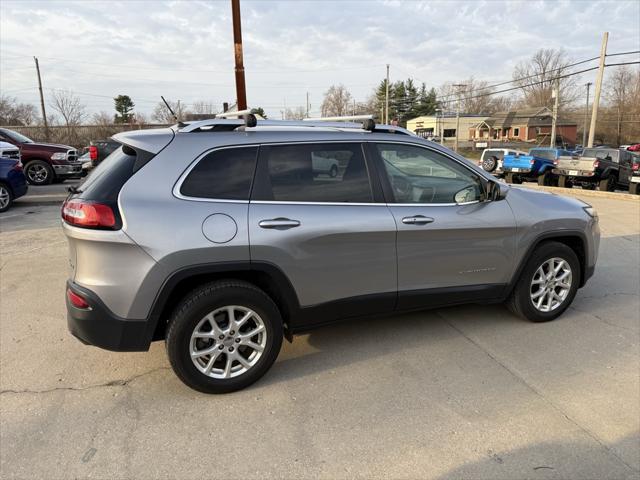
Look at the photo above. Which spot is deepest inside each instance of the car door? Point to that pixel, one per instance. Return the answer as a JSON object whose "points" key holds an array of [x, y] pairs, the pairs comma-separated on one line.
{"points": [[328, 234], [451, 245], [625, 168]]}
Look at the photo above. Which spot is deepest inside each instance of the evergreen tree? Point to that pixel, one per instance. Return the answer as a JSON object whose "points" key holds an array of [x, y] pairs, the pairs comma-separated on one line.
{"points": [[124, 108]]}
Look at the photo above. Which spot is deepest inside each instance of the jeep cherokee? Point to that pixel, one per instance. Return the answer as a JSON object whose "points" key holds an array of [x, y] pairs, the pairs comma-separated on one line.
{"points": [[222, 238]]}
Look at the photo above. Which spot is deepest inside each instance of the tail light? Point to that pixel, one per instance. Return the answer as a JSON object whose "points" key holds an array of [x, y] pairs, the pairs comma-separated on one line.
{"points": [[555, 162], [84, 214], [531, 162], [596, 164], [17, 166], [93, 152], [76, 300]]}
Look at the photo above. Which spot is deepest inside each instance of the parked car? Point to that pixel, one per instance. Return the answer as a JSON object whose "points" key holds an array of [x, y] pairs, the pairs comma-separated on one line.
{"points": [[101, 149], [13, 183], [634, 178], [605, 168], [634, 148], [87, 164], [536, 166], [43, 162], [492, 158], [8, 150], [231, 242], [322, 164]]}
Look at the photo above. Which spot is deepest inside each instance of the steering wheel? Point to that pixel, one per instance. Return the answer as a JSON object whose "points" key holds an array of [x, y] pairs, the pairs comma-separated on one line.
{"points": [[402, 188]]}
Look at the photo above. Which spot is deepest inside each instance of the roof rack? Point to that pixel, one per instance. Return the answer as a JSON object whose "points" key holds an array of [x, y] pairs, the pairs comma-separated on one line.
{"points": [[342, 118]]}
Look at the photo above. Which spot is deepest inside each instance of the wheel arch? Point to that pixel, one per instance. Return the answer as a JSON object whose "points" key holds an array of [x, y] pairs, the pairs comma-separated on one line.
{"points": [[265, 276], [574, 239]]}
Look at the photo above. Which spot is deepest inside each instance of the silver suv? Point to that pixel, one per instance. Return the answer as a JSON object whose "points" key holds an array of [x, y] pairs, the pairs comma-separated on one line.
{"points": [[222, 237]]}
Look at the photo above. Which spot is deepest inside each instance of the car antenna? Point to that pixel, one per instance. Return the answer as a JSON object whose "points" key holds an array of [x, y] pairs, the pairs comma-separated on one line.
{"points": [[180, 124]]}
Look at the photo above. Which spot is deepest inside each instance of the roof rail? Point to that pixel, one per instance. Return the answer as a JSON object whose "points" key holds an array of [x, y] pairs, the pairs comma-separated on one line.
{"points": [[239, 113], [342, 118]]}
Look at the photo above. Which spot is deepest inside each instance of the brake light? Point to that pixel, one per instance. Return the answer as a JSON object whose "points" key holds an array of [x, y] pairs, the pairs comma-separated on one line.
{"points": [[76, 300], [93, 152], [88, 215], [531, 162], [555, 162], [635, 167], [596, 164], [17, 166]]}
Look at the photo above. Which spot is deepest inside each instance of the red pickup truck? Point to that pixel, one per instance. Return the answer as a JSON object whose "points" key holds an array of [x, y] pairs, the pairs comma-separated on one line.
{"points": [[44, 162]]}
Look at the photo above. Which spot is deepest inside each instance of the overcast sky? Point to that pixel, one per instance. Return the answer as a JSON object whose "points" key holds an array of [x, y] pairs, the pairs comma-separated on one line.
{"points": [[184, 49]]}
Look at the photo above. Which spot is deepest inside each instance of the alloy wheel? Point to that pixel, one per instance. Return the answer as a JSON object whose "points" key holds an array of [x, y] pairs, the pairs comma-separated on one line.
{"points": [[37, 173], [5, 197], [228, 342], [551, 284]]}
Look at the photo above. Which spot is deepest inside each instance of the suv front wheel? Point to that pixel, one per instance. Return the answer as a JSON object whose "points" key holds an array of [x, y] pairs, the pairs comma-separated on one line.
{"points": [[224, 336], [548, 283]]}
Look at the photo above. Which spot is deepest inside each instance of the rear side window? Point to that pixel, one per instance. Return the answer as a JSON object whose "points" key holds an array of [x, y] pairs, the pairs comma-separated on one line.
{"points": [[106, 180], [222, 174], [314, 173]]}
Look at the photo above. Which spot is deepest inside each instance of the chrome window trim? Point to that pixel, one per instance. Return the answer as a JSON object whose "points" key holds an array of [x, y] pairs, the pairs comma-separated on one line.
{"points": [[286, 202]]}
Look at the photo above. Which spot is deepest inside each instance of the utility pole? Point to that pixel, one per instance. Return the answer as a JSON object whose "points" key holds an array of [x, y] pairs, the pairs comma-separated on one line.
{"points": [[586, 117], [554, 118], [596, 96], [241, 91], [44, 113], [458, 86], [386, 101], [308, 106]]}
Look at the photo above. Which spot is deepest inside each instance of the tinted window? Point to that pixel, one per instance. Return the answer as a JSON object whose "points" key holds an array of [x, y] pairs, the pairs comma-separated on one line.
{"points": [[541, 153], [105, 181], [314, 173], [420, 175], [223, 174]]}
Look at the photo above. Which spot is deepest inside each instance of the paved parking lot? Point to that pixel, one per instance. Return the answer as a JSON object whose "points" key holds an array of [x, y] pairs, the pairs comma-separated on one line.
{"points": [[465, 392]]}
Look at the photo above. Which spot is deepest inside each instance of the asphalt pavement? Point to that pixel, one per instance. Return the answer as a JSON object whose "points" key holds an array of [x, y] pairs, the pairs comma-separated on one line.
{"points": [[464, 392]]}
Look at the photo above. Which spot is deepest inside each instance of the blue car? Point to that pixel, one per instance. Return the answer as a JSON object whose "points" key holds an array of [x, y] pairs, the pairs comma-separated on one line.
{"points": [[536, 166], [13, 183]]}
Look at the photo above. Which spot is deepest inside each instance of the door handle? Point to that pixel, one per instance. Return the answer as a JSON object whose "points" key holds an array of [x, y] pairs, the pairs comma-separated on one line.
{"points": [[279, 223], [417, 220]]}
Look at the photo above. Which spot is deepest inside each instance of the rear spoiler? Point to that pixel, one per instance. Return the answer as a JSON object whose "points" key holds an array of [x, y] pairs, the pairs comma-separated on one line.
{"points": [[145, 144]]}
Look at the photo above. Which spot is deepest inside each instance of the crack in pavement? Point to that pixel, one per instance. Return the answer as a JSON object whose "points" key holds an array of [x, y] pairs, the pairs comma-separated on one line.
{"points": [[598, 317], [537, 392], [112, 383]]}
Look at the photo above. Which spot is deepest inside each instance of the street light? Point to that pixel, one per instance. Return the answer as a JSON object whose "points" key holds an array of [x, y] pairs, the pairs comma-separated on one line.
{"points": [[459, 86], [439, 110]]}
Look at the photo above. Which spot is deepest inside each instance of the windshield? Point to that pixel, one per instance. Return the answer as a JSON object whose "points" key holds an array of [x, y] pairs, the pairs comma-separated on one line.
{"points": [[540, 153], [15, 136], [601, 153]]}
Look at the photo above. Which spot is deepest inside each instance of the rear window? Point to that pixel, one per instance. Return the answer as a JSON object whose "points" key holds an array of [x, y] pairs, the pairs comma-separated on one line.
{"points": [[106, 180], [222, 174], [546, 154]]}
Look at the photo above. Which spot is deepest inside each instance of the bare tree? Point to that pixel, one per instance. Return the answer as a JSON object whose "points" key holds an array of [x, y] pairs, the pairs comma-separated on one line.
{"points": [[15, 113], [623, 94], [337, 101], [474, 96], [204, 107], [296, 113], [161, 113], [537, 77], [69, 106], [102, 118]]}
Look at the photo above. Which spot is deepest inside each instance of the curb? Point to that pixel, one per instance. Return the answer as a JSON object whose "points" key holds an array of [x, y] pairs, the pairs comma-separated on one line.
{"points": [[584, 193]]}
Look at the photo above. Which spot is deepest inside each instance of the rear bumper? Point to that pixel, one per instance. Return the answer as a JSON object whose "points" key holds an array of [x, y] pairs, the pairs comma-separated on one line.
{"points": [[98, 326], [584, 175]]}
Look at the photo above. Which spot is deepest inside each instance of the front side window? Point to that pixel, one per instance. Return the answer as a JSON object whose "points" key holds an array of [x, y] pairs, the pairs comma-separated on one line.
{"points": [[314, 173], [222, 174], [420, 175]]}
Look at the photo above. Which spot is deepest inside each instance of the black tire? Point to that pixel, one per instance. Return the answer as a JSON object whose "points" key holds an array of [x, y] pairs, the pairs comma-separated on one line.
{"points": [[6, 197], [204, 300], [562, 181], [39, 172], [607, 184], [490, 164], [517, 179], [545, 179], [520, 303], [588, 186], [508, 177], [333, 171], [634, 188]]}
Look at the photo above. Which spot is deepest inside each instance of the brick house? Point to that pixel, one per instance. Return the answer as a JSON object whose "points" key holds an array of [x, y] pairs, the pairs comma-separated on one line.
{"points": [[526, 125]]}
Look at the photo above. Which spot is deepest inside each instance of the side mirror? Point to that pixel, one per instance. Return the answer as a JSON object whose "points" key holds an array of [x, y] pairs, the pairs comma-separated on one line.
{"points": [[495, 191]]}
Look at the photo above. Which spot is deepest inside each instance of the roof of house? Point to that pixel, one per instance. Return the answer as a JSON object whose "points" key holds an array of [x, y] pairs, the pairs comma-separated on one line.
{"points": [[531, 117]]}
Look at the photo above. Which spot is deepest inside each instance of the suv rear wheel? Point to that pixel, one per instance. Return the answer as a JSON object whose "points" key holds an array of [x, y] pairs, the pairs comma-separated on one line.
{"points": [[6, 197], [224, 336], [607, 184], [548, 283]]}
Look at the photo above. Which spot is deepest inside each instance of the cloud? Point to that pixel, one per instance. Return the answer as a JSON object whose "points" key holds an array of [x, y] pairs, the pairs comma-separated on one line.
{"points": [[184, 49]]}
